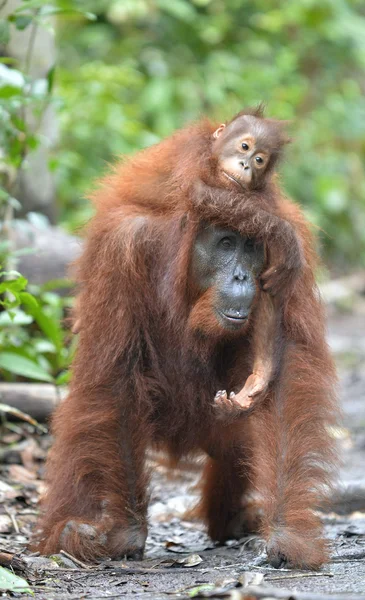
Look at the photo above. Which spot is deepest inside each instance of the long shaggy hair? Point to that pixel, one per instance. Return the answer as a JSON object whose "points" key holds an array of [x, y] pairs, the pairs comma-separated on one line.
{"points": [[145, 375]]}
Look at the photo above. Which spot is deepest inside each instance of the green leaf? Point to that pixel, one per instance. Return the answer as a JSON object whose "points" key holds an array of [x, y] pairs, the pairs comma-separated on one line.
{"points": [[28, 299], [4, 32], [11, 303], [22, 21], [31, 4], [205, 587], [179, 9], [8, 60], [19, 123], [53, 10], [8, 91], [89, 16], [56, 284], [49, 326], [11, 286], [32, 141], [18, 365], [50, 79], [63, 378], [4, 194], [12, 583]]}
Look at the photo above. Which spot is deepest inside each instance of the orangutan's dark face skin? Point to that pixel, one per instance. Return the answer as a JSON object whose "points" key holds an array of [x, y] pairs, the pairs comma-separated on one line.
{"points": [[230, 264]]}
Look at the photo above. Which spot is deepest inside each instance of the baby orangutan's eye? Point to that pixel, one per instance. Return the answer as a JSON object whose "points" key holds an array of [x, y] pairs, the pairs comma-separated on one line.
{"points": [[259, 160], [245, 146]]}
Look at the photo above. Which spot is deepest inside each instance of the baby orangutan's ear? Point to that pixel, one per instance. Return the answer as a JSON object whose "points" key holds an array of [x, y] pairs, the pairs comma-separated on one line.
{"points": [[218, 131], [282, 128]]}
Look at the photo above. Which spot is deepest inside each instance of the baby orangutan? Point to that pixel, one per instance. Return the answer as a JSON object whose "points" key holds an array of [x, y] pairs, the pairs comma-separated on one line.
{"points": [[246, 152]]}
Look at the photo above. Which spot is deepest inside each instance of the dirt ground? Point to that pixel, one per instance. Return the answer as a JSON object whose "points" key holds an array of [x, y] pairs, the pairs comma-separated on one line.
{"points": [[180, 560]]}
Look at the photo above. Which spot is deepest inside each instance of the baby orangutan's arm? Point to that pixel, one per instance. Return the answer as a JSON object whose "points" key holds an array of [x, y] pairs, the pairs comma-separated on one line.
{"points": [[266, 353]]}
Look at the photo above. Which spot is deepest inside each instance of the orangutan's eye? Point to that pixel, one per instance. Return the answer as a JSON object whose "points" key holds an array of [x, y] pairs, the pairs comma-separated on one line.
{"points": [[226, 243], [259, 160], [245, 146], [250, 245]]}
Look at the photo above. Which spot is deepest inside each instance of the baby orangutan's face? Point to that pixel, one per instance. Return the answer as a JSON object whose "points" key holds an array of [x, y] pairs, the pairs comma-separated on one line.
{"points": [[247, 149]]}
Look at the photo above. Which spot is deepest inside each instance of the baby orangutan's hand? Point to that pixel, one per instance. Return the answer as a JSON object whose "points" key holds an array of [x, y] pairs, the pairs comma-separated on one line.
{"points": [[236, 405], [287, 263]]}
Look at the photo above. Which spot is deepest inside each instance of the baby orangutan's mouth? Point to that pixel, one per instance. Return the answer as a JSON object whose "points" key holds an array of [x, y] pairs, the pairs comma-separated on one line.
{"points": [[233, 179]]}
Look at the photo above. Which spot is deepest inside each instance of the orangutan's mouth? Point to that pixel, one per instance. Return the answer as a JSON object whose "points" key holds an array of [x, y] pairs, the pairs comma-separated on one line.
{"points": [[234, 318], [233, 179]]}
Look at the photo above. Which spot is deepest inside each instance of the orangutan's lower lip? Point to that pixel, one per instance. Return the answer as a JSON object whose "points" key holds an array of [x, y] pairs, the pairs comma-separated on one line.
{"points": [[238, 318], [232, 179]]}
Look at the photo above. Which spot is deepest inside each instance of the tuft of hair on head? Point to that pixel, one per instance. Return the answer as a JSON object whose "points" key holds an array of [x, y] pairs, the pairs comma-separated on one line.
{"points": [[279, 125], [253, 111]]}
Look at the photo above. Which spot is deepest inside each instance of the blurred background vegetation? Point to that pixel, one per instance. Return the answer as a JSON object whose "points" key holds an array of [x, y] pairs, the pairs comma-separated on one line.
{"points": [[122, 74], [145, 67]]}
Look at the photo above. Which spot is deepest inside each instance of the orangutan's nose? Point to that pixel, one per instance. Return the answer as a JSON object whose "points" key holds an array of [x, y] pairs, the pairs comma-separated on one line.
{"points": [[244, 164]]}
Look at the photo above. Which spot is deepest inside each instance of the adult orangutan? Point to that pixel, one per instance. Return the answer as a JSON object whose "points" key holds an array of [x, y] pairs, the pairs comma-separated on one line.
{"points": [[169, 307], [245, 154]]}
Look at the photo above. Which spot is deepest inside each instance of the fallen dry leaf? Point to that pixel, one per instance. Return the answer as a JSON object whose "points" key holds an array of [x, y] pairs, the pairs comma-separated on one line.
{"points": [[20, 474], [190, 561], [6, 525]]}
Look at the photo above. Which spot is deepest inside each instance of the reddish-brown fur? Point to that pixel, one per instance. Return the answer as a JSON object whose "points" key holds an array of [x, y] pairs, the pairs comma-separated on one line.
{"points": [[143, 376]]}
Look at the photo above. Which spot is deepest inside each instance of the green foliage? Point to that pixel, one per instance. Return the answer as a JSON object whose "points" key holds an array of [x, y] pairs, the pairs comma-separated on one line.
{"points": [[12, 583], [21, 96], [132, 71], [144, 68], [33, 344]]}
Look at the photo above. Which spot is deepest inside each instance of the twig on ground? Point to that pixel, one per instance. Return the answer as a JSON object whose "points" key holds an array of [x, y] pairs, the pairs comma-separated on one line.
{"points": [[13, 520], [349, 557], [124, 570], [298, 575], [75, 560]]}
